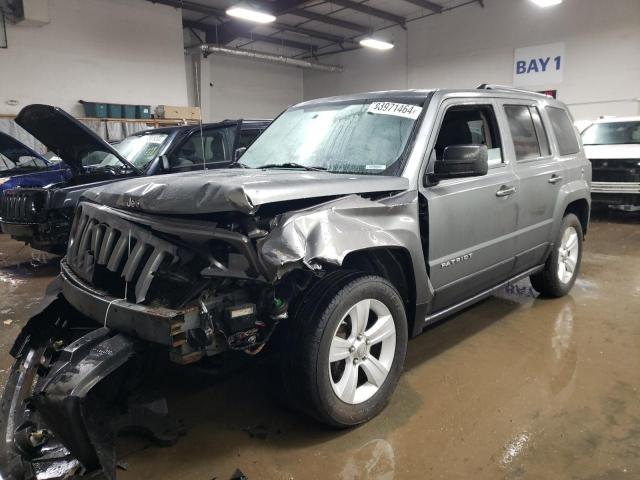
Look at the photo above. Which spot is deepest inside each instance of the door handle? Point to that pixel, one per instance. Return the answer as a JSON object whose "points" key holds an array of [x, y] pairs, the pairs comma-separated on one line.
{"points": [[554, 179], [505, 191]]}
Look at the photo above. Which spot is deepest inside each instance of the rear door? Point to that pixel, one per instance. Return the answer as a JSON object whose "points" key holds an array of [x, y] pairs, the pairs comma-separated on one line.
{"points": [[540, 174], [471, 220]]}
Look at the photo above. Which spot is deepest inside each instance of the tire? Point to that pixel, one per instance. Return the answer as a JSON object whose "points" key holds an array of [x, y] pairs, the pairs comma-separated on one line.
{"points": [[555, 280], [328, 322]]}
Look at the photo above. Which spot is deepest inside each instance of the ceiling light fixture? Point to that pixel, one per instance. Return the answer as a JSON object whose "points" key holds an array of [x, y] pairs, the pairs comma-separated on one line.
{"points": [[547, 3], [377, 44], [250, 15]]}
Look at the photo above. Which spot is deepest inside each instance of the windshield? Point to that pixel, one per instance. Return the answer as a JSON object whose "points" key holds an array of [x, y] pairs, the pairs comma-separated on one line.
{"points": [[139, 150], [23, 162], [365, 137], [614, 133]]}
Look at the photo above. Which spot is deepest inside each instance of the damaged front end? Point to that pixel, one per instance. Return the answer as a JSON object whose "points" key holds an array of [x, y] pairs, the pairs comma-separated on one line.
{"points": [[188, 286]]}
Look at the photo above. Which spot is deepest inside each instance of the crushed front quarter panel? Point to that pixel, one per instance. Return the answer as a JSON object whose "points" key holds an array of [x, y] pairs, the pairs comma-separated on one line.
{"points": [[327, 233]]}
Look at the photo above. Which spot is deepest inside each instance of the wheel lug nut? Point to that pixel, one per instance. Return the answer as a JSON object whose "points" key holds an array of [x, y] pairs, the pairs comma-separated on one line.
{"points": [[359, 337], [356, 361], [367, 341], [352, 349]]}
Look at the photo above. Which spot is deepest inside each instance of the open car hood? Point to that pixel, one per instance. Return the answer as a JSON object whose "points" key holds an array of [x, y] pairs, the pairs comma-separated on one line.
{"points": [[235, 190], [64, 135]]}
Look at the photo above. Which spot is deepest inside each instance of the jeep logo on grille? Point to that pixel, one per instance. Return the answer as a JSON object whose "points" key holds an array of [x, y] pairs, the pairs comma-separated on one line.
{"points": [[132, 203]]}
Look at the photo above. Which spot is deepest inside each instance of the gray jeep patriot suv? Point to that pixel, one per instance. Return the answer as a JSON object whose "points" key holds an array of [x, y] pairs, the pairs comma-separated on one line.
{"points": [[348, 226]]}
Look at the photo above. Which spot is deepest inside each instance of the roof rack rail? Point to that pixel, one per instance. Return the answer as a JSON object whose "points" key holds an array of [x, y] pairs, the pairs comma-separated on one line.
{"points": [[489, 86]]}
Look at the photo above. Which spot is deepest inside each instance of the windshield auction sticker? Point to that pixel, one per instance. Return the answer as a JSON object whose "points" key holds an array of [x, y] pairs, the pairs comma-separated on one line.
{"points": [[395, 109]]}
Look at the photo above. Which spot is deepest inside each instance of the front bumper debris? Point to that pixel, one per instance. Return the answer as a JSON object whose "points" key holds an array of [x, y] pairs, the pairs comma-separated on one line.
{"points": [[64, 405]]}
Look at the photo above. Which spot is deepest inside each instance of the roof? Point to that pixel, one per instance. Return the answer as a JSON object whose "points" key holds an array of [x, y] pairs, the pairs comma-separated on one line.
{"points": [[489, 91], [617, 119], [384, 94]]}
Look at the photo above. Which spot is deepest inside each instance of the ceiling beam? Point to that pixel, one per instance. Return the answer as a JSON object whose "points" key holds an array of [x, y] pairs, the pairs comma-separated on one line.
{"points": [[329, 37], [434, 7], [241, 27], [192, 6], [210, 31], [329, 20], [374, 12], [280, 7]]}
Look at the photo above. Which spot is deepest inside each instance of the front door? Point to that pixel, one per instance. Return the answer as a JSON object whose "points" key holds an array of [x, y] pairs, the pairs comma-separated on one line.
{"points": [[472, 221]]}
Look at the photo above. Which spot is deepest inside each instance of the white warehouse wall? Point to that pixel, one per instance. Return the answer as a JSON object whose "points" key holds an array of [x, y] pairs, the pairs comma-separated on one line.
{"points": [[241, 88], [118, 51], [469, 45]]}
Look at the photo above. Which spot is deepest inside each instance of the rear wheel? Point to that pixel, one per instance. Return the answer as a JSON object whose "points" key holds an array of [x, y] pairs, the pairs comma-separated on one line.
{"points": [[345, 350], [562, 266]]}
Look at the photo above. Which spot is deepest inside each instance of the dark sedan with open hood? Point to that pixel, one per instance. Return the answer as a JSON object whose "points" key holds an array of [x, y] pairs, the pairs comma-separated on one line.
{"points": [[41, 216]]}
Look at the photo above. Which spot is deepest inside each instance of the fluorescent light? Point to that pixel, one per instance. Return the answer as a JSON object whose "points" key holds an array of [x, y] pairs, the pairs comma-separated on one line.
{"points": [[377, 44], [547, 3], [251, 15]]}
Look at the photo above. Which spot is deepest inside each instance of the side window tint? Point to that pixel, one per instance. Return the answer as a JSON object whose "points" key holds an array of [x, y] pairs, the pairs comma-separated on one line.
{"points": [[470, 125], [523, 132], [213, 147], [540, 131], [247, 137], [564, 130]]}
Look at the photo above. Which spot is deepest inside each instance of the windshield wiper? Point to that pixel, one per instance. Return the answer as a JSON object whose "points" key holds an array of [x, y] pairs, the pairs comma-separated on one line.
{"points": [[293, 165]]}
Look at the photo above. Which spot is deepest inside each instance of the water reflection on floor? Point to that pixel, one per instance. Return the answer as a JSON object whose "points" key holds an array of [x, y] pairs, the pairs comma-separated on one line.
{"points": [[515, 387]]}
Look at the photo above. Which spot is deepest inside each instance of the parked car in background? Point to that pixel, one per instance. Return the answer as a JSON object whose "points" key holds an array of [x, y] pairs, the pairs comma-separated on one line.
{"points": [[21, 166], [349, 226], [42, 216], [613, 147]]}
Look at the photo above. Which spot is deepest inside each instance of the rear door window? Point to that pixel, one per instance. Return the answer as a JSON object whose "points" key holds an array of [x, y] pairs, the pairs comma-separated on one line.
{"points": [[564, 131], [523, 132], [543, 140]]}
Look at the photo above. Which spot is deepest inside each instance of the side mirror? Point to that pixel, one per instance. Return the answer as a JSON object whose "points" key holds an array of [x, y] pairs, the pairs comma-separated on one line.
{"points": [[164, 161], [462, 161], [238, 153]]}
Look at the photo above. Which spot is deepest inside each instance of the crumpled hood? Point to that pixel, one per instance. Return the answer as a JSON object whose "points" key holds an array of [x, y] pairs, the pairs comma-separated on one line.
{"points": [[242, 190], [612, 151]]}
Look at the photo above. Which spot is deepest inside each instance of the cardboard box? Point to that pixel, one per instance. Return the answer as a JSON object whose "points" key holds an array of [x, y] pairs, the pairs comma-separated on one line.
{"points": [[178, 113]]}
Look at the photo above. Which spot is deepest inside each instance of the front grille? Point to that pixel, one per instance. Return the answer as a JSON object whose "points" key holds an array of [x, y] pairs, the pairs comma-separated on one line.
{"points": [[22, 205], [116, 255], [615, 187], [615, 170]]}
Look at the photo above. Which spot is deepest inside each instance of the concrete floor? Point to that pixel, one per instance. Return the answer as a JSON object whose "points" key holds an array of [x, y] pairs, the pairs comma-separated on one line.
{"points": [[516, 387]]}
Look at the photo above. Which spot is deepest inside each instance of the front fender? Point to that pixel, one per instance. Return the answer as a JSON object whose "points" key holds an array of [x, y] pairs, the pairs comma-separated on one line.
{"points": [[327, 233]]}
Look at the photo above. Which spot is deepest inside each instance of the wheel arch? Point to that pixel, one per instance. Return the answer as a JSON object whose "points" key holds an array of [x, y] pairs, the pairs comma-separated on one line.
{"points": [[581, 209], [393, 264]]}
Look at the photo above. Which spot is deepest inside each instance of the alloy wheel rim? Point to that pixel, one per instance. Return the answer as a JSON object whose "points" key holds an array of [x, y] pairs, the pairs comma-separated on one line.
{"points": [[568, 255], [362, 351]]}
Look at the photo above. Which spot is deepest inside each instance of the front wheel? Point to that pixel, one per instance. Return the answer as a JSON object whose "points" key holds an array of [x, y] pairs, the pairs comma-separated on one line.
{"points": [[346, 349], [562, 266]]}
